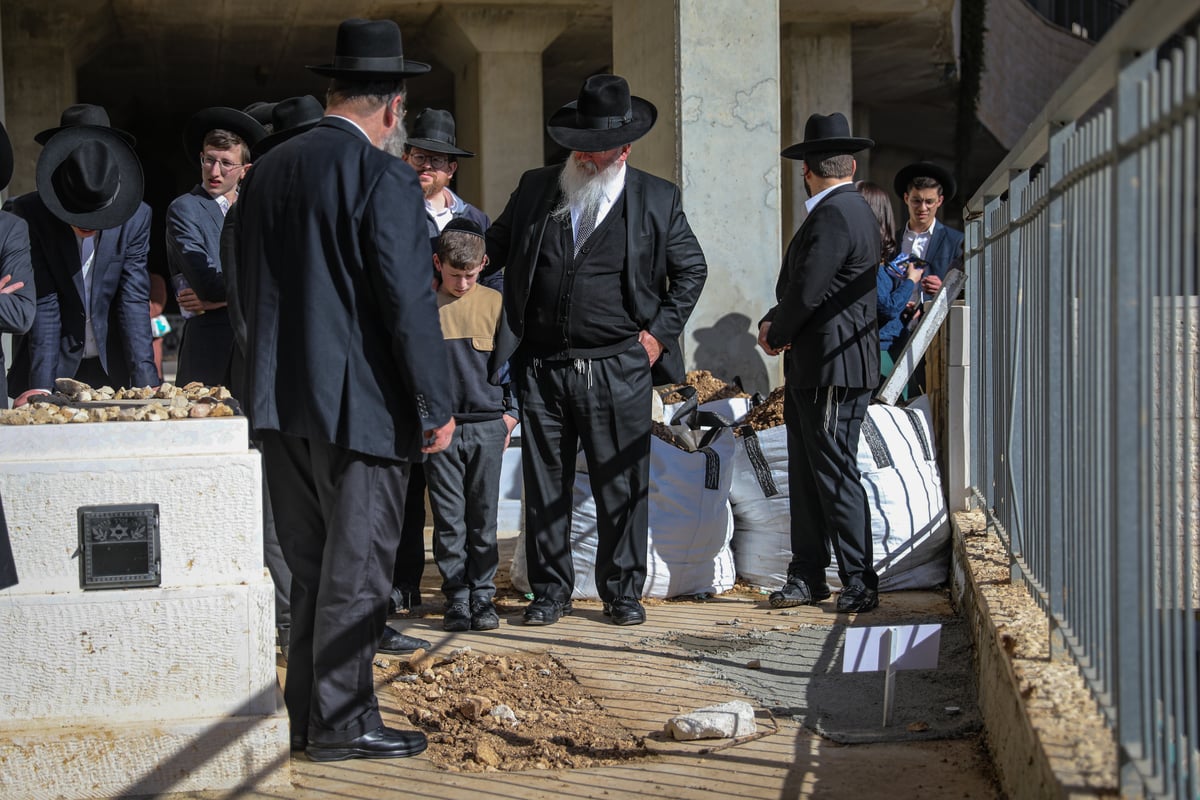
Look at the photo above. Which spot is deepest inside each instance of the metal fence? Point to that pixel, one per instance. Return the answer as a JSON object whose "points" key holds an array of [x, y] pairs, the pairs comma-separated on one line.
{"points": [[1085, 409]]}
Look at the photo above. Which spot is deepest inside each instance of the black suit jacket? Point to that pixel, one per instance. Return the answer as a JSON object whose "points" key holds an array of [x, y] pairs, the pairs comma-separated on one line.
{"points": [[344, 344], [664, 265], [16, 308], [826, 296], [120, 302]]}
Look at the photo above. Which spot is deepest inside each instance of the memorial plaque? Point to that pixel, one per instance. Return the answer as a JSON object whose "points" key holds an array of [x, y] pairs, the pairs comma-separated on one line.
{"points": [[119, 546]]}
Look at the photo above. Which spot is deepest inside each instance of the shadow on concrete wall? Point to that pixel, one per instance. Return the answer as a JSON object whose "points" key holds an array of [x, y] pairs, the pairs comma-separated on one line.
{"points": [[729, 349]]}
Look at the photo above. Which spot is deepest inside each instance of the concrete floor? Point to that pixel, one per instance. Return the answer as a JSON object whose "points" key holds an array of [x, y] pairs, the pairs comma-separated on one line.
{"points": [[643, 681]]}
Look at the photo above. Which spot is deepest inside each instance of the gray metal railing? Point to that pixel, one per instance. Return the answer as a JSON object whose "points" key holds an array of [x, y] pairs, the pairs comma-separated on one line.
{"points": [[1082, 251]]}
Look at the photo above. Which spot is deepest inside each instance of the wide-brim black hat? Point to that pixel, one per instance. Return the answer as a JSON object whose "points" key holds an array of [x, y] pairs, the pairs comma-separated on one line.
{"points": [[433, 130], [83, 114], [289, 118], [605, 116], [261, 110], [369, 50], [89, 177], [6, 158], [827, 135], [245, 126], [925, 169]]}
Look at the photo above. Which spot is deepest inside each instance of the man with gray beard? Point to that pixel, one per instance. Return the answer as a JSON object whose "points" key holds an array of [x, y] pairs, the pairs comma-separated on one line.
{"points": [[346, 378], [601, 273]]}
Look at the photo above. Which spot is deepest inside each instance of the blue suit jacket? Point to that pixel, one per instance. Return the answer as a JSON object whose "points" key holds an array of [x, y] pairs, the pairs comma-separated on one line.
{"points": [[194, 222], [16, 308], [945, 249], [120, 302]]}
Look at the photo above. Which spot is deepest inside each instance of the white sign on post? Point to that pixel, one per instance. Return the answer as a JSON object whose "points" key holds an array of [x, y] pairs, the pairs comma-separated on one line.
{"points": [[889, 649]]}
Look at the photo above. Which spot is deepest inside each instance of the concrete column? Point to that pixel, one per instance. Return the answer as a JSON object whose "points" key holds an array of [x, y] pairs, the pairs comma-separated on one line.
{"points": [[817, 80], [39, 82], [712, 68], [496, 55]]}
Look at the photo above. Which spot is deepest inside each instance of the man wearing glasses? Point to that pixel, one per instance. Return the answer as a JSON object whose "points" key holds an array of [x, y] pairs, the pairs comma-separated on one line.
{"points": [[924, 186], [220, 140], [433, 152]]}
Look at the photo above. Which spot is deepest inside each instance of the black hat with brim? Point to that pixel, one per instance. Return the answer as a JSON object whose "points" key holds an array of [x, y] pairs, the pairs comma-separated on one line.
{"points": [[827, 136], [924, 169], [604, 117], [83, 114], [289, 118], [261, 111], [220, 118], [89, 177], [6, 158], [369, 50], [433, 130]]}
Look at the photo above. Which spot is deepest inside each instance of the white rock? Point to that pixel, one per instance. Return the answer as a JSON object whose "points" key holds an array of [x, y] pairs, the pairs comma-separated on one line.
{"points": [[723, 721]]}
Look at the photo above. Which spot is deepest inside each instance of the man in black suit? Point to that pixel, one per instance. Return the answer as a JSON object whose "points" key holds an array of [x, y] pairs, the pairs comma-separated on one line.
{"points": [[825, 321], [601, 273], [89, 234], [346, 378], [18, 299]]}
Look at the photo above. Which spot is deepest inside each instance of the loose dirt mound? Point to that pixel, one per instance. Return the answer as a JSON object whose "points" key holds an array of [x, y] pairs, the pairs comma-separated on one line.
{"points": [[769, 413], [508, 713], [708, 388]]}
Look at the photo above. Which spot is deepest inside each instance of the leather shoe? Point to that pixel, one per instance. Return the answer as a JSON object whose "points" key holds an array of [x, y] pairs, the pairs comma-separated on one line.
{"points": [[395, 643], [383, 742], [403, 599], [457, 617], [857, 598], [799, 592], [625, 611], [484, 616], [544, 611], [299, 742]]}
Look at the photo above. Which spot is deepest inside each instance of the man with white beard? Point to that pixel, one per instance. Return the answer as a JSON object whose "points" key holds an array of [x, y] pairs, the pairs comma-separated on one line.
{"points": [[346, 378], [601, 273]]}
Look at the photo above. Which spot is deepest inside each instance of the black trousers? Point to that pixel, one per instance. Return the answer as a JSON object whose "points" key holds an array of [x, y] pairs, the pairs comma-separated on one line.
{"points": [[339, 528], [828, 504], [410, 555], [602, 404]]}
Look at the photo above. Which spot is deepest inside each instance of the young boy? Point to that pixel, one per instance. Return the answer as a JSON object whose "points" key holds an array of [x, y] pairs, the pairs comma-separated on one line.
{"points": [[464, 479]]}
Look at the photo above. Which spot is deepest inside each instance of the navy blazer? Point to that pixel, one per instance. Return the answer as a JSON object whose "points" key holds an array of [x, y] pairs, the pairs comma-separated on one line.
{"points": [[194, 222], [16, 308], [664, 265], [120, 302], [945, 251], [344, 344], [826, 296]]}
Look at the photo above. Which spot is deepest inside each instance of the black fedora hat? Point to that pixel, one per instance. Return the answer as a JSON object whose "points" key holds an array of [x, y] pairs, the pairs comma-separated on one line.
{"points": [[90, 178], [827, 135], [6, 158], [924, 169], [605, 116], [83, 114], [433, 130], [290, 118], [261, 111], [369, 50], [219, 117]]}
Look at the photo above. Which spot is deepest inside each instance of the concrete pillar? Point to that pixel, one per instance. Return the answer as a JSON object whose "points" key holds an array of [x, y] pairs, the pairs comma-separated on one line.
{"points": [[496, 55], [817, 79], [712, 68], [39, 82]]}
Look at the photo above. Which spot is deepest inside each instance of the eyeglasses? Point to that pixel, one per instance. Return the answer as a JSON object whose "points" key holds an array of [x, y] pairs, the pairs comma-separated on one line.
{"points": [[923, 201], [208, 162], [420, 160]]}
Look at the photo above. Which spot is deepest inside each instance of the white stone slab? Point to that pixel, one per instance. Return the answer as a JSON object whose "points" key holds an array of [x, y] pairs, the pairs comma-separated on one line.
{"points": [[124, 655], [210, 517], [123, 439], [94, 761]]}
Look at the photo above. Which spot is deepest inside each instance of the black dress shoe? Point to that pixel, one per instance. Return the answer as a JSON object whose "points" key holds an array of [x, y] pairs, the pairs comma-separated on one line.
{"points": [[484, 616], [799, 592], [625, 611], [395, 643], [457, 617], [299, 742], [857, 598], [544, 611], [403, 599], [383, 742]]}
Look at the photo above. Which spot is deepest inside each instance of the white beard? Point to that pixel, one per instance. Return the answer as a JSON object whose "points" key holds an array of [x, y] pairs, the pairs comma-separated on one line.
{"points": [[393, 143], [581, 186]]}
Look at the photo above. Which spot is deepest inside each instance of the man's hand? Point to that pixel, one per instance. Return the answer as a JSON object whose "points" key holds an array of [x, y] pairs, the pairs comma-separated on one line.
{"points": [[9, 288], [931, 284], [652, 346], [438, 439], [511, 422], [28, 397], [762, 340], [189, 301]]}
